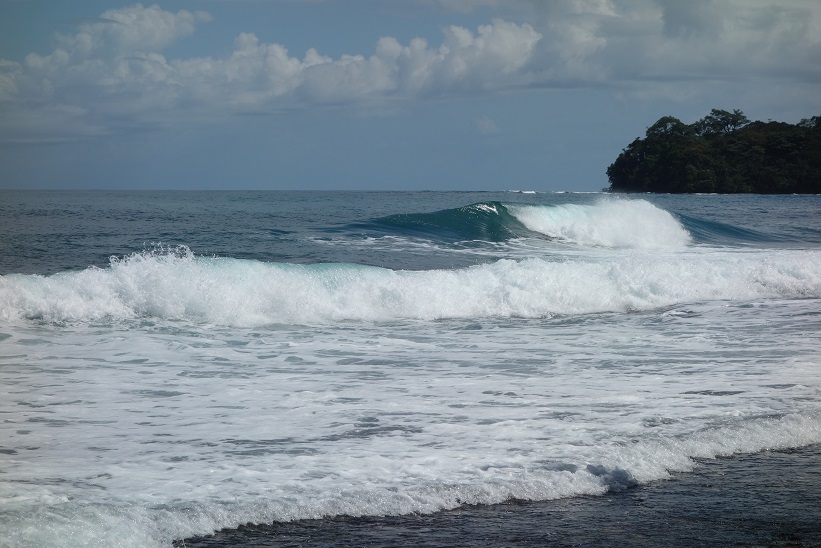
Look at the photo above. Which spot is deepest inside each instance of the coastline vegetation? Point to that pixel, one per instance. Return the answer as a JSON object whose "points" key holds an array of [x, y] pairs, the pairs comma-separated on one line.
{"points": [[722, 153]]}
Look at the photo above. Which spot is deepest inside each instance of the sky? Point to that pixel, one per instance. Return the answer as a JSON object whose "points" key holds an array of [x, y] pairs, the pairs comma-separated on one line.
{"points": [[379, 94]]}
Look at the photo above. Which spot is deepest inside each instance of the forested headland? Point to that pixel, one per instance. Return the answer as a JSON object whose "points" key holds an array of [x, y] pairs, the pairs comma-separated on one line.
{"points": [[723, 152]]}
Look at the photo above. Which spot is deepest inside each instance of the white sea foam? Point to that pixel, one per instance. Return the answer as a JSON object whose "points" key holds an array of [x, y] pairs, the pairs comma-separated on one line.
{"points": [[610, 223], [360, 492], [252, 293], [165, 431], [169, 395]]}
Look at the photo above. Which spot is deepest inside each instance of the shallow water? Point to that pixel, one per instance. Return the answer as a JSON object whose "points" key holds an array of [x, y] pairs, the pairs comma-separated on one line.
{"points": [[764, 499]]}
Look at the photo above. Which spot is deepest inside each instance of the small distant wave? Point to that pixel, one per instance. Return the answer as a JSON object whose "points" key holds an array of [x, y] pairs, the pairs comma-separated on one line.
{"points": [[179, 286], [627, 224]]}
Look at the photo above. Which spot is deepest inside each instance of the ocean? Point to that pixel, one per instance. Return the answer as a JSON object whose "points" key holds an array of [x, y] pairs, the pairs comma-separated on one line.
{"points": [[177, 363]]}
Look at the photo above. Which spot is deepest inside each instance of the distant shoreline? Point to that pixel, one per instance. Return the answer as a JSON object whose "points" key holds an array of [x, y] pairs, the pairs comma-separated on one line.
{"points": [[723, 153]]}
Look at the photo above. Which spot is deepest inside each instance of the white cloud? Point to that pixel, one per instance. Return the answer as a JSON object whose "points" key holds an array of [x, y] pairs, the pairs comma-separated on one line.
{"points": [[642, 41], [116, 33], [9, 74], [467, 61], [114, 70], [624, 42], [115, 67]]}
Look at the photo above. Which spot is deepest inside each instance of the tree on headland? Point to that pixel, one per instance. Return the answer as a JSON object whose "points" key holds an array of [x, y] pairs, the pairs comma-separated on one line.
{"points": [[720, 122], [723, 152]]}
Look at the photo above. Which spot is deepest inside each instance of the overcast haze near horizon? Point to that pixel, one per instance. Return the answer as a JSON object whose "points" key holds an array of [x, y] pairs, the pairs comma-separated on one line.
{"points": [[379, 94]]}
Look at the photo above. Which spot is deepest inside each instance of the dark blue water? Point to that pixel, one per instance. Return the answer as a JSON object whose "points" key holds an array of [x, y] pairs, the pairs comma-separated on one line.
{"points": [[45, 232]]}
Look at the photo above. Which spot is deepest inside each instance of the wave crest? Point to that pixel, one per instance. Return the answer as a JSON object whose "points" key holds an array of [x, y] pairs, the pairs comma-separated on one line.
{"points": [[627, 224], [179, 286]]}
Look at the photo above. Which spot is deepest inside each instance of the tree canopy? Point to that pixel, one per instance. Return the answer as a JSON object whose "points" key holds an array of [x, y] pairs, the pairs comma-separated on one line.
{"points": [[723, 152]]}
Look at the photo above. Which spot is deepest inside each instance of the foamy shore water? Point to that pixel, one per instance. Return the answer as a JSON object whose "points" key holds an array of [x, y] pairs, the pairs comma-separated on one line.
{"points": [[771, 498], [294, 356]]}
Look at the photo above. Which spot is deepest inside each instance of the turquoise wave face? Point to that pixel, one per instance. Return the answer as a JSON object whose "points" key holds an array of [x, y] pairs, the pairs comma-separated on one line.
{"points": [[723, 234], [485, 221]]}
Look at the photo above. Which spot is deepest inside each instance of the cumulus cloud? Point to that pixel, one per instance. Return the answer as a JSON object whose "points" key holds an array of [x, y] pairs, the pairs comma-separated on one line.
{"points": [[627, 42], [116, 66], [114, 71], [258, 75]]}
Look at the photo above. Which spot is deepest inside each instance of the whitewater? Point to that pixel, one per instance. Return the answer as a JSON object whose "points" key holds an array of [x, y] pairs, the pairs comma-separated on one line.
{"points": [[177, 363]]}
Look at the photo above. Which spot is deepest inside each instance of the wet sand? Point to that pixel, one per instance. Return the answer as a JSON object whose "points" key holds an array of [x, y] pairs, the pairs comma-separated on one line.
{"points": [[771, 498]]}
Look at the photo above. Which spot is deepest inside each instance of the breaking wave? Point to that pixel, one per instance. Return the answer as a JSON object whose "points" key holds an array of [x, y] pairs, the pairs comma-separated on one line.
{"points": [[177, 285], [626, 224]]}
